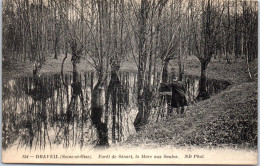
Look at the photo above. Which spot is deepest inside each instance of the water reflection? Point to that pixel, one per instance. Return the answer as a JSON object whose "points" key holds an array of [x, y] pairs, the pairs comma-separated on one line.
{"points": [[46, 111]]}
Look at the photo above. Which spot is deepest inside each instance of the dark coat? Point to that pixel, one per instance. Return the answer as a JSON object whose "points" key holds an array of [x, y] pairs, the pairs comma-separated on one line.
{"points": [[178, 94]]}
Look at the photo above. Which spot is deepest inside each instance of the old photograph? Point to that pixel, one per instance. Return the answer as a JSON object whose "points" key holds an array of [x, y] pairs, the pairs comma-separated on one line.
{"points": [[129, 81]]}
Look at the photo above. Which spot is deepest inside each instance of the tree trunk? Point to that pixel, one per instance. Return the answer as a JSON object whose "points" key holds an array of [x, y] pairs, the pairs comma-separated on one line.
{"points": [[228, 38], [180, 69], [150, 76], [165, 71], [97, 102], [140, 118], [247, 63], [236, 47], [76, 91], [203, 94], [56, 49], [113, 90], [150, 72]]}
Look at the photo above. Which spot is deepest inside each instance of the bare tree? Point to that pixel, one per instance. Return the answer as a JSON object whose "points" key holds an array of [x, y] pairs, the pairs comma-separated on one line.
{"points": [[205, 33], [249, 31]]}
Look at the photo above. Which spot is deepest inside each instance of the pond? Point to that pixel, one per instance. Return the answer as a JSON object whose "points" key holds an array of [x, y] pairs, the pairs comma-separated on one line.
{"points": [[35, 111]]}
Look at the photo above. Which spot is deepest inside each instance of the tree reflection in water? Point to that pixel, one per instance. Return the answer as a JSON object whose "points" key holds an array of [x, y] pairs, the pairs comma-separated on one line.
{"points": [[40, 112]]}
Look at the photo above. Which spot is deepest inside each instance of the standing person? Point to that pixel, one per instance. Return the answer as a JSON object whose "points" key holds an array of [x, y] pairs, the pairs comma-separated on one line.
{"points": [[179, 100]]}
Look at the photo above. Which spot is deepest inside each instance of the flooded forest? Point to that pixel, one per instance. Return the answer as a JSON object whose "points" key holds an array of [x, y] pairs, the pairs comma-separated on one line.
{"points": [[91, 73]]}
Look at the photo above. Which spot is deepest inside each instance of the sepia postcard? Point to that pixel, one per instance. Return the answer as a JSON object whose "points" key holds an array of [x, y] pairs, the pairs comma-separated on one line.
{"points": [[130, 81]]}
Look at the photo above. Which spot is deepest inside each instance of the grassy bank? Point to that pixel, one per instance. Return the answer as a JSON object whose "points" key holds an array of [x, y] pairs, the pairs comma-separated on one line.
{"points": [[234, 73], [227, 119], [13, 69]]}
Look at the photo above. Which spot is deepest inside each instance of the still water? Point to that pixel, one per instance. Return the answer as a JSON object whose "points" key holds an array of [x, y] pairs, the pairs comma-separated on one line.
{"points": [[34, 111]]}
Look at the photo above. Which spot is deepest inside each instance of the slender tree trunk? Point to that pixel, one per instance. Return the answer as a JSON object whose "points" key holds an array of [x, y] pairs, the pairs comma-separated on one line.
{"points": [[150, 76], [236, 46], [203, 94], [247, 63], [98, 94], [165, 72], [150, 71], [227, 52], [113, 92], [140, 118], [56, 49]]}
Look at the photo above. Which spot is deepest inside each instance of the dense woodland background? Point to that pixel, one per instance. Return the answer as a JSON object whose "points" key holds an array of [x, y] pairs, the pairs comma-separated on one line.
{"points": [[151, 35]]}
